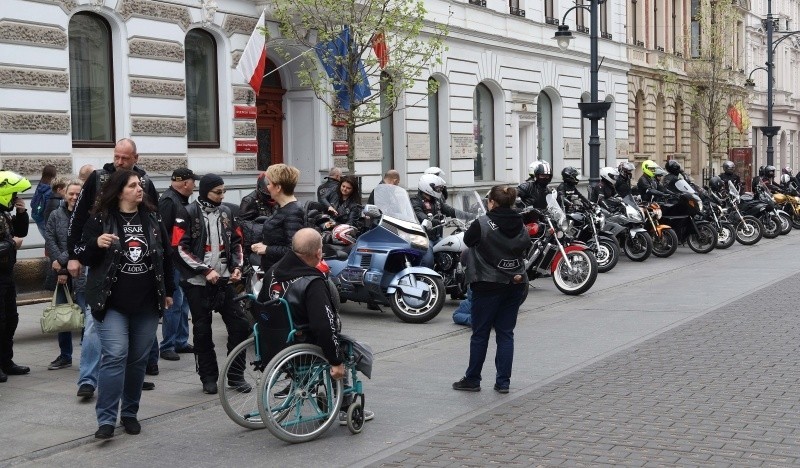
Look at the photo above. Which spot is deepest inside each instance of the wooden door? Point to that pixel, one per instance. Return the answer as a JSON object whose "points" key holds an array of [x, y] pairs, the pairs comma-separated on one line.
{"points": [[270, 118]]}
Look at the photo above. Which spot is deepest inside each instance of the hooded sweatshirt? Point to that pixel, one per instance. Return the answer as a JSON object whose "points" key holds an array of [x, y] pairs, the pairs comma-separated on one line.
{"points": [[315, 309]]}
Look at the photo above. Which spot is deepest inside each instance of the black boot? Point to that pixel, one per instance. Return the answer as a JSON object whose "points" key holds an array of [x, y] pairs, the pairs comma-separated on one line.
{"points": [[3, 376]]}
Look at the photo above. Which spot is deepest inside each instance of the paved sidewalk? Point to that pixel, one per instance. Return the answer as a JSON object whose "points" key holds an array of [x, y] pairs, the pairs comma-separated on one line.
{"points": [[723, 389]]}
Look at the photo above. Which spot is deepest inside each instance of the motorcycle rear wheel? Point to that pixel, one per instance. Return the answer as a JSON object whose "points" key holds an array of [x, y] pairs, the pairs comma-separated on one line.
{"points": [[796, 220], [606, 254], [580, 277], [666, 244], [639, 247], [404, 308], [749, 231], [726, 236], [771, 226], [704, 240]]}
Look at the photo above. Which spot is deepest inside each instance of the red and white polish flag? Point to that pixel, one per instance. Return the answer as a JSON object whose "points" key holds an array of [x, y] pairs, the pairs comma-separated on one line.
{"points": [[254, 58]]}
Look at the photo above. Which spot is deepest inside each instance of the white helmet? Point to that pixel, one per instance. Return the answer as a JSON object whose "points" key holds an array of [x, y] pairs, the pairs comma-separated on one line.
{"points": [[435, 171], [432, 185], [785, 178], [609, 174]]}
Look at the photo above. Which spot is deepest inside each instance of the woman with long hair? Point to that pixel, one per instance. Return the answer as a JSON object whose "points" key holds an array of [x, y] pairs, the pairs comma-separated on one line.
{"points": [[129, 285], [344, 204]]}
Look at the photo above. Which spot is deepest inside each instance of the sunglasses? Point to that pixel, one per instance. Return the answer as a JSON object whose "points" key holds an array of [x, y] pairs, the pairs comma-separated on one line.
{"points": [[218, 192]]}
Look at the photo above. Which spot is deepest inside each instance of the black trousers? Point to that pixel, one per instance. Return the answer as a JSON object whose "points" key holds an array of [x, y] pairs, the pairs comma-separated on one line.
{"points": [[9, 319], [202, 299]]}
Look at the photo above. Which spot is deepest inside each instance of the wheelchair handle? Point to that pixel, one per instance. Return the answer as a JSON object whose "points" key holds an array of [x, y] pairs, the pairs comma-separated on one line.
{"points": [[244, 296]]}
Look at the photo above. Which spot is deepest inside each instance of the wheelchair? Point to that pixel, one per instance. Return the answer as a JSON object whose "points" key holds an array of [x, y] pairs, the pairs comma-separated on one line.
{"points": [[274, 380]]}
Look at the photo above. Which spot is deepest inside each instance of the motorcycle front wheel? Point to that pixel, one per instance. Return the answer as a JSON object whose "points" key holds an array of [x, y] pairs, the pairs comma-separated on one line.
{"points": [[639, 247], [725, 236], [795, 219], [577, 277], [771, 226], [749, 231], [419, 310], [786, 222], [606, 254], [666, 244], [704, 240]]}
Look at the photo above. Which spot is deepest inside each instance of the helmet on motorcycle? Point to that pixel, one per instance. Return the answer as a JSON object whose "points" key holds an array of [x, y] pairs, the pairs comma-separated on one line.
{"points": [[716, 183], [785, 179], [570, 175], [11, 184], [769, 172], [786, 170], [728, 167], [626, 169], [659, 172], [673, 167], [609, 174], [649, 168], [435, 171], [432, 185], [344, 234]]}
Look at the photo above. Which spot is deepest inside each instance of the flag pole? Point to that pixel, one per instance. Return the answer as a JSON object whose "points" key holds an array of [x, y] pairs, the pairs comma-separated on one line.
{"points": [[289, 61]]}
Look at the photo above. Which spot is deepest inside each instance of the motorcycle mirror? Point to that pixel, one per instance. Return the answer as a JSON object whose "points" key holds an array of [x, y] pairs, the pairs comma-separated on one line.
{"points": [[372, 211], [426, 224]]}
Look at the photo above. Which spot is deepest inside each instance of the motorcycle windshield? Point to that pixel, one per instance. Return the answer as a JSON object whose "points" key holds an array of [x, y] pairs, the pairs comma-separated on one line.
{"points": [[394, 201], [732, 190], [468, 204], [554, 208], [684, 187]]}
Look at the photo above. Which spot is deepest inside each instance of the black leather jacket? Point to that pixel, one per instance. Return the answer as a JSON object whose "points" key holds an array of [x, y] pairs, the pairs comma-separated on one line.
{"points": [[569, 197], [278, 232], [170, 206], [622, 186], [326, 188], [255, 205], [105, 263], [602, 191], [533, 194], [649, 188], [349, 210], [191, 235], [737, 181], [10, 227]]}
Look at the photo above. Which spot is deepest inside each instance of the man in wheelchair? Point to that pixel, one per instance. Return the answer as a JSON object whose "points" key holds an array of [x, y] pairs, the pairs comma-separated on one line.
{"points": [[296, 279]]}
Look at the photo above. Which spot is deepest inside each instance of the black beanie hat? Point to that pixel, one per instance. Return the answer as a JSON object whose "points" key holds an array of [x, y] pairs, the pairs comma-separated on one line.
{"points": [[208, 182]]}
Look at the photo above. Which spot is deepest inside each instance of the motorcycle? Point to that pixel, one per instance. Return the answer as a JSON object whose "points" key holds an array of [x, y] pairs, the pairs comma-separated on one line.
{"points": [[681, 212], [725, 232], [447, 252], [748, 229], [387, 263], [761, 207], [586, 225], [790, 204], [636, 243], [552, 252], [665, 241]]}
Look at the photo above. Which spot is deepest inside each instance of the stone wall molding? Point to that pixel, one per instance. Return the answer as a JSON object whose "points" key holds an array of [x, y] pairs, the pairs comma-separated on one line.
{"points": [[35, 122], [32, 164], [241, 94], [160, 88], [67, 5], [157, 11], [239, 24], [165, 164], [39, 35], [244, 129], [246, 164], [155, 126], [236, 55], [34, 78], [155, 49]]}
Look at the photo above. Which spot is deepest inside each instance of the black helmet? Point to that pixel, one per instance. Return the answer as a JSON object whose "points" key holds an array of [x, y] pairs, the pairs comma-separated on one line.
{"points": [[728, 167], [673, 167], [543, 173], [626, 169], [570, 175], [761, 171], [769, 172], [716, 183]]}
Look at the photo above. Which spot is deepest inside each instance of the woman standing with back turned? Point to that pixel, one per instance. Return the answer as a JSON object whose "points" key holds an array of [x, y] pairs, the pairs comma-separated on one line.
{"points": [[496, 275]]}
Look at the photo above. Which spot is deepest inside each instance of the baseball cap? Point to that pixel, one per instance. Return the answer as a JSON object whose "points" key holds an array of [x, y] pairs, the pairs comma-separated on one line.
{"points": [[184, 173]]}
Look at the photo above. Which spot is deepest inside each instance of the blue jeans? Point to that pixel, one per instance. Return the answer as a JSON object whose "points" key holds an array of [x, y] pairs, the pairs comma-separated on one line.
{"points": [[64, 338], [90, 346], [463, 313], [494, 309], [175, 323], [125, 341]]}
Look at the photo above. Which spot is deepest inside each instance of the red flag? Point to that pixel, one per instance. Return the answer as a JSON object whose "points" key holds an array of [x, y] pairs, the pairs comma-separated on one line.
{"points": [[381, 49], [735, 116], [254, 57]]}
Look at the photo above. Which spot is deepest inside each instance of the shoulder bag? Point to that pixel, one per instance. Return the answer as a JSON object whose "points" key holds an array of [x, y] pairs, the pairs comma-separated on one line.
{"points": [[62, 317]]}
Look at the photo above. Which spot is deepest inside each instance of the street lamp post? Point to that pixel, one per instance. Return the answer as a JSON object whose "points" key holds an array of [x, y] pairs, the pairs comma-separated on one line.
{"points": [[594, 111]]}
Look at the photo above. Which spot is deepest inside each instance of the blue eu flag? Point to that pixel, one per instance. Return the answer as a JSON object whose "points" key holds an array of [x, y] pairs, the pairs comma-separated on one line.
{"points": [[334, 55]]}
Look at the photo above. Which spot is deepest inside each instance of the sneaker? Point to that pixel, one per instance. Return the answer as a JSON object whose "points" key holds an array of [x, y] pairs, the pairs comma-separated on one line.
{"points": [[188, 349], [499, 389], [170, 355], [239, 385], [131, 425], [148, 386], [86, 390], [151, 369], [60, 363], [466, 386], [210, 388], [106, 431], [368, 416]]}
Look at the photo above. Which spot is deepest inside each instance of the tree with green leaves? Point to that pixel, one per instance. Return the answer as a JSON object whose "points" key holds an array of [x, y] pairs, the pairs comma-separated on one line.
{"points": [[366, 48]]}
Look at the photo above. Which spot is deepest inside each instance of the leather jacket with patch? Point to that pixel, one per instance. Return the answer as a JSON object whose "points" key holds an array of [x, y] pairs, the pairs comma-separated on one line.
{"points": [[190, 241]]}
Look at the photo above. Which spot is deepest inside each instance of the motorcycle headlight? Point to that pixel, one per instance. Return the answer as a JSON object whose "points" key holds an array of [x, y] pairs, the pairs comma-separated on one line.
{"points": [[600, 220], [657, 213], [565, 225], [700, 205], [418, 241]]}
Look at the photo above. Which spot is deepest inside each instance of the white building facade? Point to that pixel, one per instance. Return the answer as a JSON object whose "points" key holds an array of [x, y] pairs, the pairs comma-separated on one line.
{"points": [[77, 75]]}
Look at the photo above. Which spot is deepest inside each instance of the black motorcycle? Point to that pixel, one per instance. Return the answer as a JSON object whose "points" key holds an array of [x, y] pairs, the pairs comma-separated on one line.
{"points": [[681, 213], [761, 208], [586, 225]]}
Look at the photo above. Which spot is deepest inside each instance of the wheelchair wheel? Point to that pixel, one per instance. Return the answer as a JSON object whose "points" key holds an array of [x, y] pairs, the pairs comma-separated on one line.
{"points": [[355, 418], [239, 396], [298, 399]]}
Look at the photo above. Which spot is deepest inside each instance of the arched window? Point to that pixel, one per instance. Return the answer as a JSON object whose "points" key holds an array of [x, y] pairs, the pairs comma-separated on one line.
{"points": [[202, 103], [483, 131], [387, 124], [91, 81], [433, 122], [544, 119]]}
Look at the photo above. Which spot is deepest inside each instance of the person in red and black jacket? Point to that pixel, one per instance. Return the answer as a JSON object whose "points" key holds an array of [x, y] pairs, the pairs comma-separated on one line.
{"points": [[208, 252]]}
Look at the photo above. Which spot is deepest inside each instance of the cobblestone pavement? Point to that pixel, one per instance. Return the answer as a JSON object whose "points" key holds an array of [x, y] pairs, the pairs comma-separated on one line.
{"points": [[723, 390]]}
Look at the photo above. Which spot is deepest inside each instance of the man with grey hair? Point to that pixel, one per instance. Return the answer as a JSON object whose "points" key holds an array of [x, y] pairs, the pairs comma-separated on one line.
{"points": [[85, 171], [330, 185]]}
